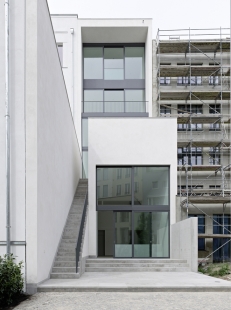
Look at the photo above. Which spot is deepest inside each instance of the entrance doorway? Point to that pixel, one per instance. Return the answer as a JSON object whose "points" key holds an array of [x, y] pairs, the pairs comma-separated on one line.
{"points": [[133, 234], [105, 233], [141, 234]]}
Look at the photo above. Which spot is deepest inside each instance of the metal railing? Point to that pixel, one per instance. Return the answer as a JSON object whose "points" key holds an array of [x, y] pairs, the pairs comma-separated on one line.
{"points": [[80, 236], [114, 106]]}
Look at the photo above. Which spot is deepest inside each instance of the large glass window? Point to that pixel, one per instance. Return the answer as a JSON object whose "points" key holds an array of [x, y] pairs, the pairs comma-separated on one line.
{"points": [[93, 63], [144, 186], [153, 186], [113, 63], [111, 183], [134, 62]]}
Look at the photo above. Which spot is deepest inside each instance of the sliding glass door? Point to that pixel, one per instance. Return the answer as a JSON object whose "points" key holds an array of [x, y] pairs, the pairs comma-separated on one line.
{"points": [[141, 234]]}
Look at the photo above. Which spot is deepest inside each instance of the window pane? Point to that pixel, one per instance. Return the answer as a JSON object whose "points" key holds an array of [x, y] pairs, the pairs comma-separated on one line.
{"points": [[84, 132], [160, 235], [93, 101], [93, 62], [135, 101], [123, 234], [134, 62], [114, 101], [60, 51], [85, 164], [113, 192], [153, 186], [113, 63], [142, 234]]}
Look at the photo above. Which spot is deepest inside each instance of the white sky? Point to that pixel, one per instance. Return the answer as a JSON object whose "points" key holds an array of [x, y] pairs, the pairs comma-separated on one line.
{"points": [[166, 14]]}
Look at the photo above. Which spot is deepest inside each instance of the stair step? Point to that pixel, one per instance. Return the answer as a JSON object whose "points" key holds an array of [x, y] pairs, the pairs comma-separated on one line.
{"points": [[65, 276], [65, 263], [63, 269], [137, 269], [133, 261], [68, 258], [127, 265]]}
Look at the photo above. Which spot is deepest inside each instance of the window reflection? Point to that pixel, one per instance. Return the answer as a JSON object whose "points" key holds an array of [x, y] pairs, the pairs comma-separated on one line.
{"points": [[150, 186], [116, 190]]}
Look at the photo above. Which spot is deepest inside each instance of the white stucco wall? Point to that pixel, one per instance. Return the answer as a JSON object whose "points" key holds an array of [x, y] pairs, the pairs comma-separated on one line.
{"points": [[53, 159], [184, 241], [130, 141], [17, 127]]}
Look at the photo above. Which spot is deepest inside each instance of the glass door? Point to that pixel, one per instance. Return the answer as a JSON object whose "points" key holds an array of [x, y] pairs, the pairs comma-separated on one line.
{"points": [[142, 234], [123, 234]]}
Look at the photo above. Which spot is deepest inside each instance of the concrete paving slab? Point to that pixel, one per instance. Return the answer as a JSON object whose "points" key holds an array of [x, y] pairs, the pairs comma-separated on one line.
{"points": [[137, 282]]}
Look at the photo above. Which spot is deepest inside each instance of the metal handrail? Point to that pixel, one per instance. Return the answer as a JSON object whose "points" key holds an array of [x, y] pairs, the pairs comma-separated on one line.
{"points": [[108, 101], [79, 241]]}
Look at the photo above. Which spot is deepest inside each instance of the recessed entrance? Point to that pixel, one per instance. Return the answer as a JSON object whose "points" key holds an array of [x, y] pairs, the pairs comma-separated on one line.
{"points": [[132, 234], [133, 212]]}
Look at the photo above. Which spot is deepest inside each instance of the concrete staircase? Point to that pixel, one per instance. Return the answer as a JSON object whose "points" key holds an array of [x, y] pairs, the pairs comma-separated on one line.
{"points": [[136, 265], [65, 261]]}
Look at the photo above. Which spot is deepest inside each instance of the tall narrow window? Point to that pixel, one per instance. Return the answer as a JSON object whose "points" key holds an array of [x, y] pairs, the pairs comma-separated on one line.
{"points": [[60, 51], [134, 62], [93, 63], [215, 109], [113, 63]]}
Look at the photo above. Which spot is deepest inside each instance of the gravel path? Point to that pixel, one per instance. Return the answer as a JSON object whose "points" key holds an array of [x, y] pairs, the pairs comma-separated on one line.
{"points": [[128, 301]]}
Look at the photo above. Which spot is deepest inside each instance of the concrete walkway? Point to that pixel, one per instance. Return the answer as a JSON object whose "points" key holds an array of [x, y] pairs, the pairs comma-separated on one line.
{"points": [[137, 282]]}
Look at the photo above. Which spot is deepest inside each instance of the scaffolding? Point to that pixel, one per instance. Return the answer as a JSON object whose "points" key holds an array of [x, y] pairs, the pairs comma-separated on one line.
{"points": [[193, 84]]}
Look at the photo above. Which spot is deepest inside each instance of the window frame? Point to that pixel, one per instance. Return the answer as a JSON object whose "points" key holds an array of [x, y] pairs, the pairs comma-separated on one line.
{"points": [[133, 179]]}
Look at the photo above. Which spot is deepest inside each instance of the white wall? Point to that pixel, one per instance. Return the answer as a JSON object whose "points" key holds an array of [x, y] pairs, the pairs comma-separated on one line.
{"points": [[17, 127], [184, 241], [130, 141], [53, 155]]}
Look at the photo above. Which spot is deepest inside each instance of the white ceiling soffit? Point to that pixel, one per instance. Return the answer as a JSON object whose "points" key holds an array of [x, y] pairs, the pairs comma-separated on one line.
{"points": [[114, 34]]}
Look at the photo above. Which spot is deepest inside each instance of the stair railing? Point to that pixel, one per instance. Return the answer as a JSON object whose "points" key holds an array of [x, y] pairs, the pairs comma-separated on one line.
{"points": [[80, 236]]}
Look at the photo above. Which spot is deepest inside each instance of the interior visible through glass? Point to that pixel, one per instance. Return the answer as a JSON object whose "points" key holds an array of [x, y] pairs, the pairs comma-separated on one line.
{"points": [[93, 62], [123, 234], [114, 186], [113, 63]]}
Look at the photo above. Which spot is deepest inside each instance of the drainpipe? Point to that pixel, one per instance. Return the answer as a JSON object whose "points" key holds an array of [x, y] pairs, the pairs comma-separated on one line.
{"points": [[7, 116]]}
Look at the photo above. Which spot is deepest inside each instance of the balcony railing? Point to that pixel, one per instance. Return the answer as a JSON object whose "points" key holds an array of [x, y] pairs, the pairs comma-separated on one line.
{"points": [[114, 107]]}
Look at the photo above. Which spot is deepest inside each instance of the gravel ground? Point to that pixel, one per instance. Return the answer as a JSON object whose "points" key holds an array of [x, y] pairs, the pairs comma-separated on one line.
{"points": [[128, 301]]}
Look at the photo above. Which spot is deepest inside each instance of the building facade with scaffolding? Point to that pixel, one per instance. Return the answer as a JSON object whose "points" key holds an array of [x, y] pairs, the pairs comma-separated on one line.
{"points": [[191, 81]]}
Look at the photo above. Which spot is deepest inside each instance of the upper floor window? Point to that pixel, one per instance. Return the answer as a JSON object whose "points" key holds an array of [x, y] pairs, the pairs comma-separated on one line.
{"points": [[60, 51], [113, 63], [165, 80], [215, 109], [166, 110], [190, 109], [93, 63]]}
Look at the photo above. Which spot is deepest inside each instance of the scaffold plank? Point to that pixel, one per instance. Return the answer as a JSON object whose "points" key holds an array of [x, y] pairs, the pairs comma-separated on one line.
{"points": [[180, 46], [202, 95], [184, 70]]}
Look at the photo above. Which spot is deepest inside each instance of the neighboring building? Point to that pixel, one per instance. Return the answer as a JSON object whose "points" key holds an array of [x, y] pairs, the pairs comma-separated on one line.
{"points": [[93, 163], [191, 74]]}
